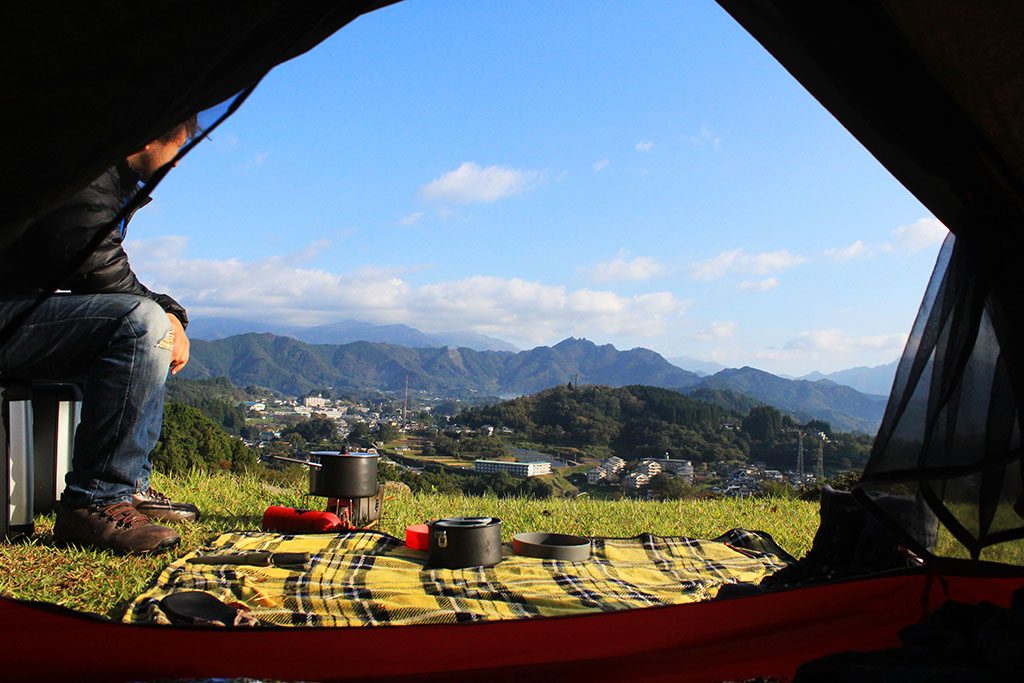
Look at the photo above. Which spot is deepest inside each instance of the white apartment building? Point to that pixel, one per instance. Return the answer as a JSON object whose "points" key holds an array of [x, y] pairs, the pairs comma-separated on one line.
{"points": [[597, 475], [636, 480], [649, 467], [516, 469], [680, 468], [614, 464]]}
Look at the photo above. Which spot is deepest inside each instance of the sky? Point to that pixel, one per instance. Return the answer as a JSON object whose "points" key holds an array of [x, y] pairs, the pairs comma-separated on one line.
{"points": [[636, 173]]}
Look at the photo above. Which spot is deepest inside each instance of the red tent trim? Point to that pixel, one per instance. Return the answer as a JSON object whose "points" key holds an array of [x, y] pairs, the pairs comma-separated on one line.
{"points": [[763, 635]]}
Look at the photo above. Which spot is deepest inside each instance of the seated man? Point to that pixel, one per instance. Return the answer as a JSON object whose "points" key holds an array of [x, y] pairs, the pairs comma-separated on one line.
{"points": [[107, 330]]}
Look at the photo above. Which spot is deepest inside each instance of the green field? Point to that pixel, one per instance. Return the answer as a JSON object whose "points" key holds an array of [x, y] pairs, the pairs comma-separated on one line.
{"points": [[103, 583]]}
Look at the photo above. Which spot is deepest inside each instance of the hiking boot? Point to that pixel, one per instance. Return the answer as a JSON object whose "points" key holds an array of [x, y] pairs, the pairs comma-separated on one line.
{"points": [[160, 508], [116, 526]]}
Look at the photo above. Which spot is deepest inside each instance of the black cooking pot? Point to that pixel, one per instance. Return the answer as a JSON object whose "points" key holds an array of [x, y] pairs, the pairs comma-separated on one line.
{"points": [[344, 475], [461, 542]]}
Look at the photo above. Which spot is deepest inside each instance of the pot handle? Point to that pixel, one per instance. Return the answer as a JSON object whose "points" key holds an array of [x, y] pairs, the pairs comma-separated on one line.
{"points": [[301, 462]]}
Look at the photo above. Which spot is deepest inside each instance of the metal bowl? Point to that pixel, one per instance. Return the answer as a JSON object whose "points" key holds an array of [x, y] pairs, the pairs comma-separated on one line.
{"points": [[552, 546]]}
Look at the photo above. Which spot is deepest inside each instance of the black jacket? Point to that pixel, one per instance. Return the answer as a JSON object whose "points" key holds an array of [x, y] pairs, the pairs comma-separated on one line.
{"points": [[47, 248]]}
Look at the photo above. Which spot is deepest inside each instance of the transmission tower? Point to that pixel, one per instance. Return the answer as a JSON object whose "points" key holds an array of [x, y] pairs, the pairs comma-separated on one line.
{"points": [[800, 457], [405, 405], [820, 469]]}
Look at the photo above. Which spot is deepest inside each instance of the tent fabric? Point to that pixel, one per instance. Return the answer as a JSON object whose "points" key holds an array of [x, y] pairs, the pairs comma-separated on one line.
{"points": [[951, 433], [936, 93], [763, 635], [85, 84]]}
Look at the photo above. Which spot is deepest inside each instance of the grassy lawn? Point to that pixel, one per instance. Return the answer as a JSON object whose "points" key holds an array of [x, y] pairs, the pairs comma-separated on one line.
{"points": [[104, 583]]}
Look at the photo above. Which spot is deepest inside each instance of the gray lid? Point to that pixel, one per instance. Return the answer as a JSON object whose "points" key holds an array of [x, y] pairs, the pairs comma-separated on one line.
{"points": [[552, 546]]}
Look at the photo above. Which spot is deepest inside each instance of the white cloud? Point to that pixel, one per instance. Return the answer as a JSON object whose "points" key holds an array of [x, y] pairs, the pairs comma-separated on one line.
{"points": [[922, 234], [411, 219], [833, 341], [601, 165], [717, 331], [760, 285], [225, 141], [738, 261], [824, 349], [622, 268], [716, 267], [856, 250], [283, 289], [706, 136], [470, 183], [644, 146], [255, 161]]}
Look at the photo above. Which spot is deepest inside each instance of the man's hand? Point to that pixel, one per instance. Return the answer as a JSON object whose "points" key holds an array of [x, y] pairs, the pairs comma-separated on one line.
{"points": [[179, 352]]}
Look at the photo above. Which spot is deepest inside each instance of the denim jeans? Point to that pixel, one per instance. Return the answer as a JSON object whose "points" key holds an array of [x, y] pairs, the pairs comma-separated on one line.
{"points": [[119, 347]]}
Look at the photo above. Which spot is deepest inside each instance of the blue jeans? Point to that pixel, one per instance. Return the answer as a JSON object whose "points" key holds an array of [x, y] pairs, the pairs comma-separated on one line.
{"points": [[119, 347]]}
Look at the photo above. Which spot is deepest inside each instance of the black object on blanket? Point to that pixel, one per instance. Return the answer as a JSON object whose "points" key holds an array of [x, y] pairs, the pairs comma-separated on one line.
{"points": [[461, 542], [196, 608], [257, 558]]}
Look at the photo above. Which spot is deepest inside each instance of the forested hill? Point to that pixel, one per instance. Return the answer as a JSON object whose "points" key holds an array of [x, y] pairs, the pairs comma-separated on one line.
{"points": [[638, 421]]}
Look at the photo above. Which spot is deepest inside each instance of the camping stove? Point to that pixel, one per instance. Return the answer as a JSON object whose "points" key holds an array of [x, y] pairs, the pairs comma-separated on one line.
{"points": [[358, 513], [349, 483]]}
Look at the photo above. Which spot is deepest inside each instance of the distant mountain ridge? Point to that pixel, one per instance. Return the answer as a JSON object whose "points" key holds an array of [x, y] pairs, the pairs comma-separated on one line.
{"points": [[845, 408], [292, 366], [346, 332], [869, 380], [295, 367], [701, 367]]}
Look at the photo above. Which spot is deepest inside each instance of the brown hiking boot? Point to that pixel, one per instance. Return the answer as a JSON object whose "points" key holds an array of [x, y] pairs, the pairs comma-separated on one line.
{"points": [[160, 508], [118, 527]]}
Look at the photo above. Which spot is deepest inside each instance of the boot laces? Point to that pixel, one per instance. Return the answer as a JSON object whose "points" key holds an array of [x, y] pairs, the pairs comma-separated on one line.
{"points": [[151, 495], [123, 515]]}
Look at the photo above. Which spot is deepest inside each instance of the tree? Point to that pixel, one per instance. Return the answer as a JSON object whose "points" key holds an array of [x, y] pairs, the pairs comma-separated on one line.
{"points": [[191, 440], [387, 432], [359, 434], [763, 423], [670, 487], [313, 431]]}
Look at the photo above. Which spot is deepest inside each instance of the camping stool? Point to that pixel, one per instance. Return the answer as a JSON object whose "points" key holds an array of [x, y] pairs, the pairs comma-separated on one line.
{"points": [[56, 412], [16, 491]]}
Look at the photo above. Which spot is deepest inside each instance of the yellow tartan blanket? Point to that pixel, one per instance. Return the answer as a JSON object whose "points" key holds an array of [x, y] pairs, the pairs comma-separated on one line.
{"points": [[367, 578]]}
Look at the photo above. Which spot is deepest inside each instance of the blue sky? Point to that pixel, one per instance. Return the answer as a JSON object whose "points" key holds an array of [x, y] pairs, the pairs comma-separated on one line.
{"points": [[636, 173]]}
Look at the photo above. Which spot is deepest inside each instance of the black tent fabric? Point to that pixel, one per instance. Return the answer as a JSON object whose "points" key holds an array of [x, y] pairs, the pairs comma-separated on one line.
{"points": [[82, 85], [951, 433]]}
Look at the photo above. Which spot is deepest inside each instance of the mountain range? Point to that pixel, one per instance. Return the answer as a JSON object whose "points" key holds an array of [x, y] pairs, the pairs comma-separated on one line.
{"points": [[701, 367], [346, 332], [873, 380], [844, 407], [294, 367]]}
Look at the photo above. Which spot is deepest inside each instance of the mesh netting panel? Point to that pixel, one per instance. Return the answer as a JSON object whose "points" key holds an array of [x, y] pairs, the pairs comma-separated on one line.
{"points": [[950, 438]]}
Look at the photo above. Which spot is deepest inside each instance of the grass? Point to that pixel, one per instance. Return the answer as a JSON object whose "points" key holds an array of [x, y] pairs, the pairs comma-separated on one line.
{"points": [[103, 583]]}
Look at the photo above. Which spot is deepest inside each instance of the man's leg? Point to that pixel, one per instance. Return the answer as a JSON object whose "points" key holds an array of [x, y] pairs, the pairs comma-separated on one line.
{"points": [[120, 344]]}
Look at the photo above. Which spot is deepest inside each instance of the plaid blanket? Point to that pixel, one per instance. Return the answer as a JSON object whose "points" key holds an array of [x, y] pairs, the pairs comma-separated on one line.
{"points": [[366, 578]]}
